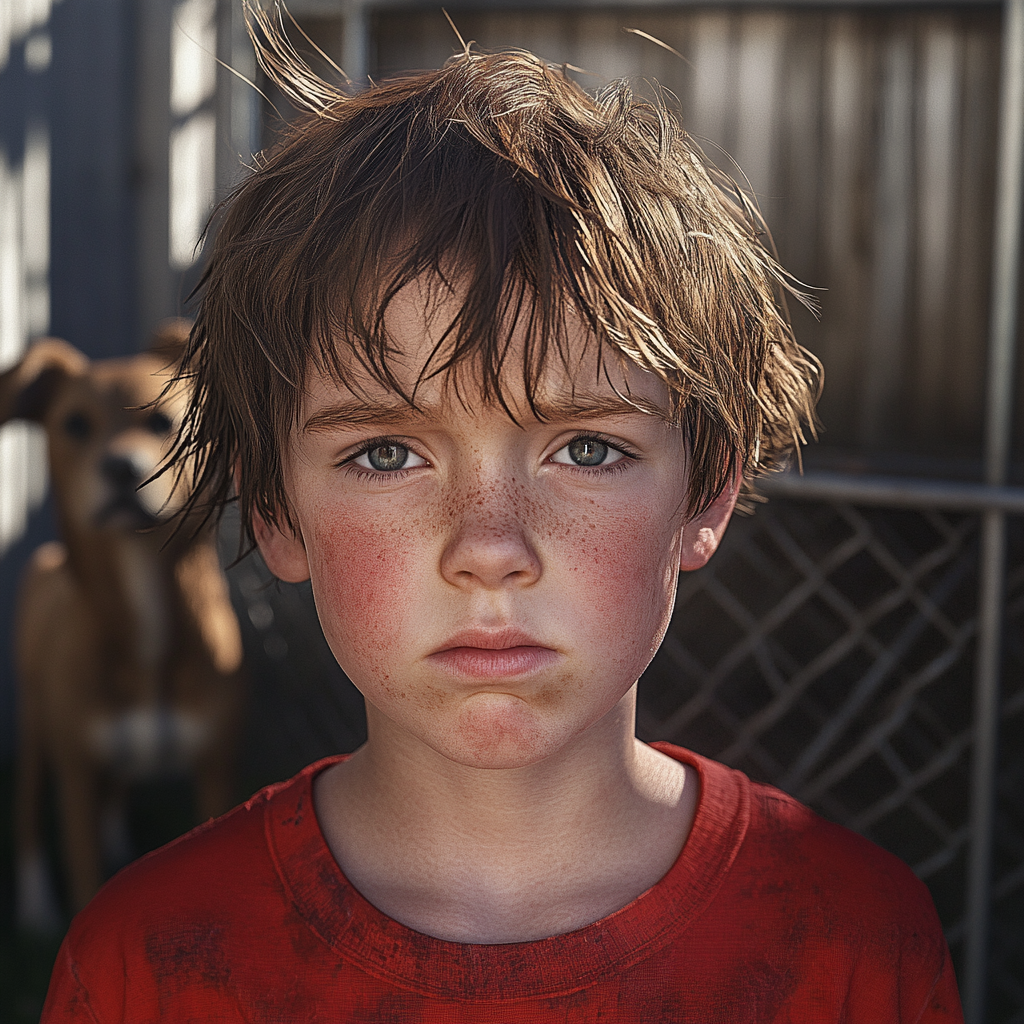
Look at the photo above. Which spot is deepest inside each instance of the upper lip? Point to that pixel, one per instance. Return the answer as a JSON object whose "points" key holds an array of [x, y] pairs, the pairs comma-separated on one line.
{"points": [[489, 639]]}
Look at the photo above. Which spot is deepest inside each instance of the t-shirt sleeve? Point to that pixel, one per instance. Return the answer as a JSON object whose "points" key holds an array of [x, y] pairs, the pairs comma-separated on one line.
{"points": [[943, 1005], [67, 999], [911, 981], [942, 1002], [852, 922]]}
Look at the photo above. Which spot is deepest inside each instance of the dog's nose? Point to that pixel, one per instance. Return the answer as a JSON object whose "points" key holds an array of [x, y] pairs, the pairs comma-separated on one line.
{"points": [[122, 471]]}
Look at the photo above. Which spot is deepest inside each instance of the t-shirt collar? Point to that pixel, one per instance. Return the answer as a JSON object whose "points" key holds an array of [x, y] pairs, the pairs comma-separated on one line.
{"points": [[361, 934]]}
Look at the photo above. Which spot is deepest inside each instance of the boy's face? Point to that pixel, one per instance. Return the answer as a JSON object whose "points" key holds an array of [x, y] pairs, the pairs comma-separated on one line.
{"points": [[494, 589]]}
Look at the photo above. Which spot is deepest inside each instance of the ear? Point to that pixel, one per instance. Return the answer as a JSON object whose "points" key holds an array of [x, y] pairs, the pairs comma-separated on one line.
{"points": [[282, 549], [703, 533], [170, 339], [28, 387]]}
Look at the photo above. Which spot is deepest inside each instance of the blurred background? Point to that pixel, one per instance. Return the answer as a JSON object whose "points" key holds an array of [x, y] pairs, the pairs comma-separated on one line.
{"points": [[859, 640]]}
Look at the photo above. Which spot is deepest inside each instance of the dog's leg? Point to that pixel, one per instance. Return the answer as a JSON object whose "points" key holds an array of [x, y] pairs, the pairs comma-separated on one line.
{"points": [[211, 683], [43, 600], [36, 901], [78, 799]]}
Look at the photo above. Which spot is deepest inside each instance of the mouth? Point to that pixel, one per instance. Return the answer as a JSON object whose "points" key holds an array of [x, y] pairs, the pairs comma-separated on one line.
{"points": [[124, 512], [493, 654]]}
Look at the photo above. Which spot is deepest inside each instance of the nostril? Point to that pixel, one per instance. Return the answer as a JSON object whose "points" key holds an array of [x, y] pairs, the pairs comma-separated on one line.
{"points": [[121, 471]]}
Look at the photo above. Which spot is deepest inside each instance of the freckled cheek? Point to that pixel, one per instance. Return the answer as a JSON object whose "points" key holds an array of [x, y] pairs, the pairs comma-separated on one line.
{"points": [[360, 578], [624, 568]]}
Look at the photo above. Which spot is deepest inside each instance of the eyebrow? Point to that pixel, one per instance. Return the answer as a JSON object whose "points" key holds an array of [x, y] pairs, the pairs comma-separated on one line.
{"points": [[572, 406], [357, 412], [360, 412]]}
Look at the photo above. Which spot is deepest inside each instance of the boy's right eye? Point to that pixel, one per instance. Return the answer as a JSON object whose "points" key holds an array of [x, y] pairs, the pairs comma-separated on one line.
{"points": [[388, 457]]}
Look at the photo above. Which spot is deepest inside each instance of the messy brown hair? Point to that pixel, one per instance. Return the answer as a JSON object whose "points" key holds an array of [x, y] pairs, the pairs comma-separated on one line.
{"points": [[499, 174]]}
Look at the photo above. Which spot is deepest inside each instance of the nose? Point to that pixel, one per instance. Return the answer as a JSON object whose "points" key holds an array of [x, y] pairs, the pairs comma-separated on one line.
{"points": [[122, 471], [490, 545]]}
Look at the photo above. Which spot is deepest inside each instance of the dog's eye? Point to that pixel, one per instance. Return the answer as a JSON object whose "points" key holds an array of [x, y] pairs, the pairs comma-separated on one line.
{"points": [[159, 422], [77, 425]]}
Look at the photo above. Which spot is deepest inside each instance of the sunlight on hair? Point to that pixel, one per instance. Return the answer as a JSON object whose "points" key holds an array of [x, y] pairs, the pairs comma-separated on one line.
{"points": [[499, 180]]}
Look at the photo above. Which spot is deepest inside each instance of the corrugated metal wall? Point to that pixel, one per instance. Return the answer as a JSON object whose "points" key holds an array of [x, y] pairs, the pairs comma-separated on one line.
{"points": [[868, 137]]}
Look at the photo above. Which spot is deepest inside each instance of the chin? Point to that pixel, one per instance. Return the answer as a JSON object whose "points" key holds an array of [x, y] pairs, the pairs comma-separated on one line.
{"points": [[500, 731]]}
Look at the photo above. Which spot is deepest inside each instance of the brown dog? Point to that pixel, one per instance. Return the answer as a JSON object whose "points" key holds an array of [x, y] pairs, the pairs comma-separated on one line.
{"points": [[128, 650]]}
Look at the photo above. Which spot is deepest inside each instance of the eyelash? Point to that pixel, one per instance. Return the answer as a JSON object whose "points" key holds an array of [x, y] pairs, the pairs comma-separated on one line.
{"points": [[373, 475], [379, 476], [631, 455]]}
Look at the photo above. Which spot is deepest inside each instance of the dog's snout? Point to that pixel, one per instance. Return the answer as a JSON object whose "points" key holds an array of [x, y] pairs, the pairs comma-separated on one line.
{"points": [[122, 471]]}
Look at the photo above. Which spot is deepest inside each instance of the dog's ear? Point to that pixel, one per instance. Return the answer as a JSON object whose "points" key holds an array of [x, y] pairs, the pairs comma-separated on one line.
{"points": [[170, 338], [27, 388]]}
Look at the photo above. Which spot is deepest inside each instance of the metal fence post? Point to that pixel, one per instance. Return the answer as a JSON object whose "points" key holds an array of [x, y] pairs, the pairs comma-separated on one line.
{"points": [[355, 58], [1002, 337]]}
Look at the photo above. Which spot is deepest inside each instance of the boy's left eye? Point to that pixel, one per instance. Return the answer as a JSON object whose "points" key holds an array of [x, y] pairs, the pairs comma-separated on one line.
{"points": [[588, 451], [388, 457]]}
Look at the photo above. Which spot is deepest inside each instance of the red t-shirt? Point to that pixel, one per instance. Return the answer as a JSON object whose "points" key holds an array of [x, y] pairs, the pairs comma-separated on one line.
{"points": [[769, 914]]}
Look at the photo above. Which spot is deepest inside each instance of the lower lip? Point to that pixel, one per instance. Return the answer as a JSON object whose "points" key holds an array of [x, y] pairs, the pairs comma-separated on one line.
{"points": [[482, 663]]}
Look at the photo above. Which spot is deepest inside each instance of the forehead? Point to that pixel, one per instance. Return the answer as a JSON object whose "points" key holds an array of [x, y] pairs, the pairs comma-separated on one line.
{"points": [[579, 376]]}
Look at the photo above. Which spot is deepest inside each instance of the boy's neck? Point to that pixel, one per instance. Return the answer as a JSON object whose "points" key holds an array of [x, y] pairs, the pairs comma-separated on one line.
{"points": [[503, 855]]}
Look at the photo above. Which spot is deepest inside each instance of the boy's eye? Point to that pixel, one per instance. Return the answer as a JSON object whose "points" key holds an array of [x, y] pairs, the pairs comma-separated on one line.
{"points": [[587, 451], [387, 457]]}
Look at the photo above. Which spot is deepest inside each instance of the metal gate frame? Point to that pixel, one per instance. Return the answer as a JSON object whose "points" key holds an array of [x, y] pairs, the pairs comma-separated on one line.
{"points": [[993, 499]]}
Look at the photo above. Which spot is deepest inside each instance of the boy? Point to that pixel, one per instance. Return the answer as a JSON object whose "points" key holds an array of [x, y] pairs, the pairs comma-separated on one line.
{"points": [[486, 360]]}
